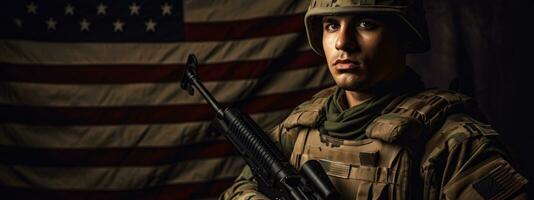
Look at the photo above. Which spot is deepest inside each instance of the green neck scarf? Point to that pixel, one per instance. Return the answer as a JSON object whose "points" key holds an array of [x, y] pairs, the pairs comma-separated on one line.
{"points": [[350, 123]]}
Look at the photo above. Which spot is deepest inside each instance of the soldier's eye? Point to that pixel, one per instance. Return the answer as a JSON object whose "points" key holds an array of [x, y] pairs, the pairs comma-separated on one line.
{"points": [[330, 27], [367, 24]]}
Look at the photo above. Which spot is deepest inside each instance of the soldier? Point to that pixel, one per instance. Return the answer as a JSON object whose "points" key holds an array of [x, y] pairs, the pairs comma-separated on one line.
{"points": [[378, 133]]}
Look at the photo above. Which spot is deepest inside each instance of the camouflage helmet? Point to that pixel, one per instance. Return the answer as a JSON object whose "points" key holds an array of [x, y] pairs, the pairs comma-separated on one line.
{"points": [[407, 14]]}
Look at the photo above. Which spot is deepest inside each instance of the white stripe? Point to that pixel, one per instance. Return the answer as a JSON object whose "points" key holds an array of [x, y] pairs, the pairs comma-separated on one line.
{"points": [[32, 52], [232, 10], [121, 178], [39, 94], [149, 135]]}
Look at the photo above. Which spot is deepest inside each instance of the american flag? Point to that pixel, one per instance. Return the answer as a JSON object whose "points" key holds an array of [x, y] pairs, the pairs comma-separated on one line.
{"points": [[90, 101]]}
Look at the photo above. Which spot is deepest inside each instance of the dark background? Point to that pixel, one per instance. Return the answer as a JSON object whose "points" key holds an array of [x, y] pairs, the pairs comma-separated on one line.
{"points": [[484, 49]]}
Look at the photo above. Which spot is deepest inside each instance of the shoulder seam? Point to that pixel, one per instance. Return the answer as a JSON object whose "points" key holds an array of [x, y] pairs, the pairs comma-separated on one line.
{"points": [[308, 112]]}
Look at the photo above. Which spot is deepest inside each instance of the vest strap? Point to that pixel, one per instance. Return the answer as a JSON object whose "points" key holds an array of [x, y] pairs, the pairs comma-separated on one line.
{"points": [[416, 114]]}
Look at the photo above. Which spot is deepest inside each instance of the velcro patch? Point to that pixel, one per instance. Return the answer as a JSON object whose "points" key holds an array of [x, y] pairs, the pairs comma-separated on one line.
{"points": [[500, 183], [369, 158], [488, 187]]}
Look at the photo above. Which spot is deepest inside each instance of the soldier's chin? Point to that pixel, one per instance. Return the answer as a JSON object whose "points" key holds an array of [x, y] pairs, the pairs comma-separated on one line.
{"points": [[352, 82], [354, 86]]}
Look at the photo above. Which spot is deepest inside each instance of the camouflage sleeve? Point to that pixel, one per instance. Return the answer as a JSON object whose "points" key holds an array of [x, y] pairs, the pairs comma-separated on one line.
{"points": [[463, 160], [244, 186]]}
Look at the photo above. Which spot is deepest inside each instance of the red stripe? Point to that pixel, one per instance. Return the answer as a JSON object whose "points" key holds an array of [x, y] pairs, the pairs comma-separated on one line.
{"points": [[121, 74], [134, 156], [141, 114], [175, 191], [242, 29]]}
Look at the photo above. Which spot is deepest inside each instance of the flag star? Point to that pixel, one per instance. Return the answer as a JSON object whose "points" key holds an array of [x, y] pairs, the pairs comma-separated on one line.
{"points": [[118, 25], [69, 9], [134, 9], [51, 24], [166, 9], [31, 8], [101, 9], [84, 25], [150, 25], [17, 22]]}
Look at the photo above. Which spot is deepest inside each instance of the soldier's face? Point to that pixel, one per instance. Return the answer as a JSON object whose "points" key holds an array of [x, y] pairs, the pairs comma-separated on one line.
{"points": [[361, 52]]}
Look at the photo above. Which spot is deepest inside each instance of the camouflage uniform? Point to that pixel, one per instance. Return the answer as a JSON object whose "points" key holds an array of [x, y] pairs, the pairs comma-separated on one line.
{"points": [[423, 145]]}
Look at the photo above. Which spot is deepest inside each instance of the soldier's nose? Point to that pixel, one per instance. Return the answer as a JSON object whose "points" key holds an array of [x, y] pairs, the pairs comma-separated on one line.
{"points": [[346, 40]]}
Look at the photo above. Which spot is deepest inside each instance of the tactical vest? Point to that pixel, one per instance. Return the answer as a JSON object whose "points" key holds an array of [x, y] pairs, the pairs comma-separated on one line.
{"points": [[385, 165]]}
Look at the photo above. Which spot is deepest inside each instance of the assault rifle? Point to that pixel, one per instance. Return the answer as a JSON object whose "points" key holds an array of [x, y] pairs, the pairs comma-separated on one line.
{"points": [[276, 178]]}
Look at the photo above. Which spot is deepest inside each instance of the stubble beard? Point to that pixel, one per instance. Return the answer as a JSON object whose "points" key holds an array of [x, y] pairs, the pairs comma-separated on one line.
{"points": [[355, 86], [356, 82]]}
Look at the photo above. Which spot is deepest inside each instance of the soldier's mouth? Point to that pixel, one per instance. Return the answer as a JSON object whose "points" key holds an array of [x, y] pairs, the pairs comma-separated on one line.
{"points": [[346, 64]]}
